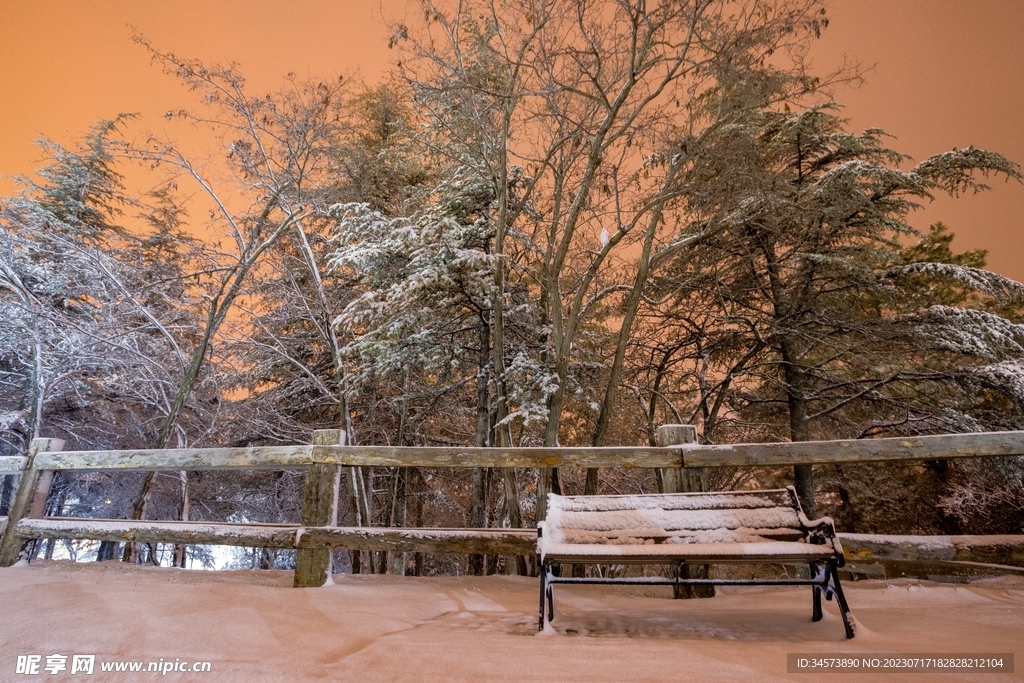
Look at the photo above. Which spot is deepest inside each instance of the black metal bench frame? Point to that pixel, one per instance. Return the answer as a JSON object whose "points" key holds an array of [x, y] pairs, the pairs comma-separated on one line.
{"points": [[824, 573]]}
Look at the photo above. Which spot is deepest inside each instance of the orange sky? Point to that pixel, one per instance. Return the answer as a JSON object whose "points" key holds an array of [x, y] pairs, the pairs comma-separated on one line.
{"points": [[947, 73]]}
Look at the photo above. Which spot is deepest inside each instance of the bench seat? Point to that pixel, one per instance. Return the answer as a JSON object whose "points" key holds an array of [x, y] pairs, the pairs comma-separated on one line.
{"points": [[686, 529]]}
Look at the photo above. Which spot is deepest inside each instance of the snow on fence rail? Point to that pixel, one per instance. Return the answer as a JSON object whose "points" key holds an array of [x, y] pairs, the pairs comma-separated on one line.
{"points": [[318, 532], [988, 548], [11, 464]]}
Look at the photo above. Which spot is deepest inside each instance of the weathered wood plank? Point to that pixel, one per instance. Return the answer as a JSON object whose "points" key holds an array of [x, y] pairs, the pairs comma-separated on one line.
{"points": [[938, 447], [360, 456], [33, 488], [12, 464], [465, 541], [412, 456], [254, 457], [144, 531], [987, 549], [711, 553]]}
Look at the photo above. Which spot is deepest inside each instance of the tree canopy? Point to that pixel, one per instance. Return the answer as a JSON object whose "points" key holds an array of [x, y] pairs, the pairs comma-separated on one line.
{"points": [[559, 222]]}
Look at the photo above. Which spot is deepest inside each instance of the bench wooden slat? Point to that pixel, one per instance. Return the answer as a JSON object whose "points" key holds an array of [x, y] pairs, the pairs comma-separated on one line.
{"points": [[641, 537], [673, 522], [765, 551], [769, 498]]}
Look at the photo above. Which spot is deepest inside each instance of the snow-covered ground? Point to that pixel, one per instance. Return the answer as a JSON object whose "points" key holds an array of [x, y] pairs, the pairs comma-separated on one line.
{"points": [[252, 626]]}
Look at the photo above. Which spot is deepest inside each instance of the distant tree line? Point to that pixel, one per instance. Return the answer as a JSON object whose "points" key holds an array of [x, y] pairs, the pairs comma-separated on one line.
{"points": [[557, 223]]}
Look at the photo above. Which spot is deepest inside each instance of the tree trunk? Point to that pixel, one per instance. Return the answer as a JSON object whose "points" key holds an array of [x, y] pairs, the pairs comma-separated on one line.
{"points": [[6, 494], [501, 435], [629, 316], [186, 508], [35, 390], [377, 560], [416, 484], [398, 558], [477, 515], [107, 551], [478, 487], [943, 472], [515, 515], [852, 515], [547, 478], [56, 509], [803, 475], [394, 562]]}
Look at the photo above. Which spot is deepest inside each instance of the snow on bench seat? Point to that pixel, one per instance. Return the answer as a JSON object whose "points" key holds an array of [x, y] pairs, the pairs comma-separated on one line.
{"points": [[671, 520]]}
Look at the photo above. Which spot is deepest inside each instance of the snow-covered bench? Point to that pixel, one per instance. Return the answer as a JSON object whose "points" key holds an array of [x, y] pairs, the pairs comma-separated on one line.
{"points": [[678, 529]]}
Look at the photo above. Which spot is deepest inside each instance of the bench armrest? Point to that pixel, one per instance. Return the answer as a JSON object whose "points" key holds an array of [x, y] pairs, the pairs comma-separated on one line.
{"points": [[823, 527], [822, 531]]}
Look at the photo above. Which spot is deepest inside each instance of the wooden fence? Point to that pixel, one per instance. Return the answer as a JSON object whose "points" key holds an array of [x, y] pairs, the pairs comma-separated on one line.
{"points": [[325, 460]]}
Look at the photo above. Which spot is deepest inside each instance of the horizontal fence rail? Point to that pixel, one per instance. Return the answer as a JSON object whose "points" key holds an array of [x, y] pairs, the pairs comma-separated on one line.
{"points": [[288, 457], [288, 536], [252, 457], [986, 549], [12, 464], [624, 457], [940, 447]]}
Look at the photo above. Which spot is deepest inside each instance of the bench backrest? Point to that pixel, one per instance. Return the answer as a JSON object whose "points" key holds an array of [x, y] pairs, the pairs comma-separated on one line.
{"points": [[732, 517]]}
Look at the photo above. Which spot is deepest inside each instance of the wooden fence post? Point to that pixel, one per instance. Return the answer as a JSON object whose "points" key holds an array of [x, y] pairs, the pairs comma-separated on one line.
{"points": [[29, 501], [319, 508], [672, 479], [679, 480]]}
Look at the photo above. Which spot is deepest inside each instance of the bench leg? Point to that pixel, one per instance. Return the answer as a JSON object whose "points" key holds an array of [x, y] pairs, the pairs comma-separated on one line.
{"points": [[551, 602], [844, 609], [543, 596], [547, 597], [816, 574]]}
